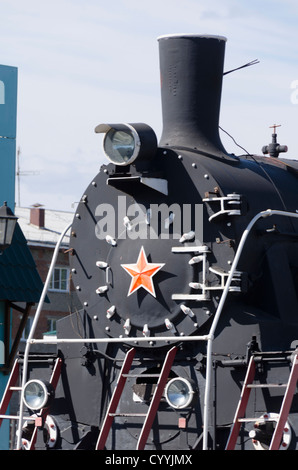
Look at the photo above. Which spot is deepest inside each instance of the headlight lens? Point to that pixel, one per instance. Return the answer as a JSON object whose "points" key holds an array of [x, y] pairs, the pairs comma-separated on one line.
{"points": [[179, 393], [124, 144], [120, 146], [37, 394]]}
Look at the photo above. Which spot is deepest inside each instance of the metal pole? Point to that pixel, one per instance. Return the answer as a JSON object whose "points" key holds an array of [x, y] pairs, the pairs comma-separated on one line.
{"points": [[128, 339]]}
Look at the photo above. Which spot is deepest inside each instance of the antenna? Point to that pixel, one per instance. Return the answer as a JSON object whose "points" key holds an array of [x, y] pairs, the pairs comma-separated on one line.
{"points": [[20, 173]]}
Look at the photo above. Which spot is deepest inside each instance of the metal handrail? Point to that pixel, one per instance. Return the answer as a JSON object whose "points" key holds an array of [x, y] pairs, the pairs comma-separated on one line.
{"points": [[33, 328], [262, 214], [209, 337]]}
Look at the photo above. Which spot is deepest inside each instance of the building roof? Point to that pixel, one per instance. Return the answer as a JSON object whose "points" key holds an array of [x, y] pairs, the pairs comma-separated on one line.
{"points": [[19, 279], [47, 235]]}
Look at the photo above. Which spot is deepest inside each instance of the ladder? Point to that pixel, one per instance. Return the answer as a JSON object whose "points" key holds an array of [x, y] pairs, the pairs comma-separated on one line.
{"points": [[152, 410], [11, 388], [248, 385]]}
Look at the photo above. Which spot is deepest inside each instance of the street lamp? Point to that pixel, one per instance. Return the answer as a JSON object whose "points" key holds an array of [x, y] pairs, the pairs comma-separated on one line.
{"points": [[7, 225]]}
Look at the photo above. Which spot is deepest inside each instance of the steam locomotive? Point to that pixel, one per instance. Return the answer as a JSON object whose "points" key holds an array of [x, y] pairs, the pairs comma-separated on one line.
{"points": [[185, 260]]}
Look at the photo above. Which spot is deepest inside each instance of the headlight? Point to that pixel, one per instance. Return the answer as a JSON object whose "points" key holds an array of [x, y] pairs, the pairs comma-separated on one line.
{"points": [[180, 393], [37, 394], [125, 143], [121, 146]]}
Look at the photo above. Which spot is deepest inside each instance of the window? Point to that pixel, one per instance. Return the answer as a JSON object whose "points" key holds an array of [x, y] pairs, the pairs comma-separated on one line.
{"points": [[27, 329], [51, 325], [60, 280]]}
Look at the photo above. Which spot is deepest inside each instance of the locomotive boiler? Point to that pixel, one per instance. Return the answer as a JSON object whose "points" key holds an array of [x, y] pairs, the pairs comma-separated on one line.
{"points": [[185, 260]]}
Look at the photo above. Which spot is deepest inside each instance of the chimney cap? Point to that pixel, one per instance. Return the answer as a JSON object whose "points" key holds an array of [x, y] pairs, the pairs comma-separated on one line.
{"points": [[190, 35]]}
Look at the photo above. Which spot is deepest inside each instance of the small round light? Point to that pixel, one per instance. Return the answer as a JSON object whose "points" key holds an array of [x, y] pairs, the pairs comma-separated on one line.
{"points": [[37, 394], [179, 393]]}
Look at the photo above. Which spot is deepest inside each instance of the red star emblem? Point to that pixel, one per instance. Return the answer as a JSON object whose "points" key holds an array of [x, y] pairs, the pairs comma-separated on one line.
{"points": [[142, 273]]}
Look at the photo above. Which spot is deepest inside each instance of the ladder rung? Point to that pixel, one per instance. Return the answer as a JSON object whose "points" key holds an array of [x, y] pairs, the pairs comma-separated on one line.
{"points": [[266, 385], [251, 420], [141, 375], [141, 415]]}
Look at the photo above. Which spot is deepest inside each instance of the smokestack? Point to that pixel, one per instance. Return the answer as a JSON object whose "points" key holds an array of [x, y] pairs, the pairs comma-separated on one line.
{"points": [[191, 68]]}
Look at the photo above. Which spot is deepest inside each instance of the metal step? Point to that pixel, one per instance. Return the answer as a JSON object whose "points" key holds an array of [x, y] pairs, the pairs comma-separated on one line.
{"points": [[266, 385], [141, 375], [252, 420], [141, 415]]}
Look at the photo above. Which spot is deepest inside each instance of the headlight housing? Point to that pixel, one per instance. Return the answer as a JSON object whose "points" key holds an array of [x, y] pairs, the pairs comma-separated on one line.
{"points": [[180, 393], [125, 143], [37, 394]]}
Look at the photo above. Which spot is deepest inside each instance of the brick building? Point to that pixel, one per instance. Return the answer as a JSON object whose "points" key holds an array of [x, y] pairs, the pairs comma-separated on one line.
{"points": [[42, 228]]}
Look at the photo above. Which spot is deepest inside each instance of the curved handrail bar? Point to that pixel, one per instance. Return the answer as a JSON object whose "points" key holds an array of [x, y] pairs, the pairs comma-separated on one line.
{"points": [[263, 214], [32, 330]]}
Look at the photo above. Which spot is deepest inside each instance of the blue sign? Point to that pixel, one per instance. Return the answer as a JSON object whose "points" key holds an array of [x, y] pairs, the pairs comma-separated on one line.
{"points": [[8, 126], [8, 101]]}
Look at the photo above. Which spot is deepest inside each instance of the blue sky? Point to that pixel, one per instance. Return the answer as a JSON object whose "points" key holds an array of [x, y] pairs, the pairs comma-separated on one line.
{"points": [[84, 62]]}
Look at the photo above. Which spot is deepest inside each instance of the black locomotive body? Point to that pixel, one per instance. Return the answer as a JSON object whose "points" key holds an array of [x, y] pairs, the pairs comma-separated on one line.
{"points": [[153, 242]]}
